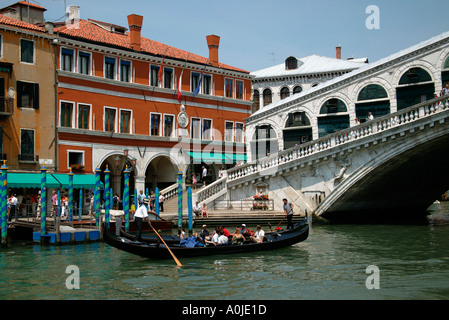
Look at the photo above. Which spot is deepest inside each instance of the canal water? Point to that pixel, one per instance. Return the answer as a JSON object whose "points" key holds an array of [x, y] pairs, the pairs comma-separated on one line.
{"points": [[335, 262]]}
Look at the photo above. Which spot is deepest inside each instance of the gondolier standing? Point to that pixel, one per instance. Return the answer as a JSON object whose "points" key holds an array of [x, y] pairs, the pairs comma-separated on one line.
{"points": [[140, 215], [288, 209]]}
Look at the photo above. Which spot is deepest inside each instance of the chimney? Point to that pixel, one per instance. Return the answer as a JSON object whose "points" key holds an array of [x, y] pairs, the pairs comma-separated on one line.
{"points": [[73, 12], [213, 42], [135, 25], [338, 51]]}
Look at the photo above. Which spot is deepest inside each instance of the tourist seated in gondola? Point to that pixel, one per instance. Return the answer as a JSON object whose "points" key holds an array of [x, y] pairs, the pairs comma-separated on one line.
{"points": [[205, 235], [237, 236], [258, 236], [222, 239], [226, 232]]}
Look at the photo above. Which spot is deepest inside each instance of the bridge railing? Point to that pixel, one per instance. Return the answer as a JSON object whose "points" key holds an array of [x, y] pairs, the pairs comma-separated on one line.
{"points": [[339, 138]]}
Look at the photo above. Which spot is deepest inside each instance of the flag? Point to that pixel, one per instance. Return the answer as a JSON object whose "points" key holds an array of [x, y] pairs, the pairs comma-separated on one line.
{"points": [[161, 72], [180, 82], [199, 83]]}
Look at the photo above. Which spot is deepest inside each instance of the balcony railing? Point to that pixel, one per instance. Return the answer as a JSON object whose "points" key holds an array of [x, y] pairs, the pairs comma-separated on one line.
{"points": [[6, 106]]}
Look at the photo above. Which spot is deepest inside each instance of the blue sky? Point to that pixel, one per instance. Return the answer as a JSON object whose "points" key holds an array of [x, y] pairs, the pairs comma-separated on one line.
{"points": [[257, 34]]}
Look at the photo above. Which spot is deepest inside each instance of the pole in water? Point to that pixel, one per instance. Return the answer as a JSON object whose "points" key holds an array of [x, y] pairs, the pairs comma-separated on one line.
{"points": [[156, 203], [179, 199], [70, 195], [107, 202], [126, 199], [97, 196], [3, 212], [190, 208], [80, 206], [43, 200]]}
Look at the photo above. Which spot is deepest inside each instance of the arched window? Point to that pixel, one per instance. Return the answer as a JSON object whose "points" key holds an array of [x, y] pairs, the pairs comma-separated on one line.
{"points": [[365, 104], [256, 101], [285, 93], [445, 73], [415, 75], [415, 86], [297, 89], [267, 97], [446, 64], [332, 119], [297, 129], [264, 142], [291, 63]]}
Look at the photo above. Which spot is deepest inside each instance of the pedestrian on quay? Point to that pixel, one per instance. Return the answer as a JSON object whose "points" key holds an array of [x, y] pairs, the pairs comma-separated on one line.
{"points": [[288, 210], [194, 181], [204, 175], [161, 203]]}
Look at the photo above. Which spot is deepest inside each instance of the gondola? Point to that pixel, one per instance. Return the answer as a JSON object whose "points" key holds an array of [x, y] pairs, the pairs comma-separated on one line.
{"points": [[272, 240]]}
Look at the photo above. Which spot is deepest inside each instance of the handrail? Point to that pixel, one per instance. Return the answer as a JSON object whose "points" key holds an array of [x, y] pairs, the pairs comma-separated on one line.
{"points": [[368, 128]]}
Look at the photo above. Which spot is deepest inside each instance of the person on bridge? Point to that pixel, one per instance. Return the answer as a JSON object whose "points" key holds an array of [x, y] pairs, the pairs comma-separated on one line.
{"points": [[288, 210]]}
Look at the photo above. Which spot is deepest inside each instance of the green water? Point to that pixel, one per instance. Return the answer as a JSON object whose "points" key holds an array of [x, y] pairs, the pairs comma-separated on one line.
{"points": [[331, 264]]}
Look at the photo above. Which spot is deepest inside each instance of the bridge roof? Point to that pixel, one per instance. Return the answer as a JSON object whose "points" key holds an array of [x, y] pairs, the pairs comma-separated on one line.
{"points": [[341, 79]]}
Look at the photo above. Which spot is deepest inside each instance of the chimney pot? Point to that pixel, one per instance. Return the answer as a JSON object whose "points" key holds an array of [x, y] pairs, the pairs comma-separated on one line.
{"points": [[338, 52], [213, 42], [135, 26]]}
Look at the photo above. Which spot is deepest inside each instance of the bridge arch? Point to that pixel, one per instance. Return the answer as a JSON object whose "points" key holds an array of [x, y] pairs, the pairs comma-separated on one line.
{"points": [[333, 114], [297, 128], [264, 139], [374, 98], [443, 69]]}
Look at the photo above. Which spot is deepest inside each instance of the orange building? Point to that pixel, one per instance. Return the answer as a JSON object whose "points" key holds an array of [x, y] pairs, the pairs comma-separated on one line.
{"points": [[118, 105], [27, 92]]}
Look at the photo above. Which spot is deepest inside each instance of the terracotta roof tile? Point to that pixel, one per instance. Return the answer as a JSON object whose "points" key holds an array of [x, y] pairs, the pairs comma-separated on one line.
{"points": [[86, 30], [18, 23]]}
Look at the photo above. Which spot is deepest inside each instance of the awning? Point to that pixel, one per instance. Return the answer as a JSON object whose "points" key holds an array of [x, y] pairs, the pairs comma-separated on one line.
{"points": [[55, 180], [216, 157]]}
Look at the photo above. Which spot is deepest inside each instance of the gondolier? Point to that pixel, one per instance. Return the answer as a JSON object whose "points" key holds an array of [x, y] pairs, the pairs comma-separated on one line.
{"points": [[288, 210], [140, 215]]}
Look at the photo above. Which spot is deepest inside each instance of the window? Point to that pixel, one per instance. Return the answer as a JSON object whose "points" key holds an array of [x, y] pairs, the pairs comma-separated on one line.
{"points": [[239, 89], [267, 97], [297, 89], [168, 125], [154, 79], [27, 95], [285, 93], [67, 60], [291, 63], [371, 92], [239, 132], [83, 116], [207, 129], [109, 119], [256, 101], [26, 145], [84, 63], [207, 84], [195, 129], [125, 71], [155, 125], [109, 68], [125, 120], [229, 131], [195, 80], [75, 157], [168, 78], [66, 114], [229, 88], [1, 45], [26, 51]]}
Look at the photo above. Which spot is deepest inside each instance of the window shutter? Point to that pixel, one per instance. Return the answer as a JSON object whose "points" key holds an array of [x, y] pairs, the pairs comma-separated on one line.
{"points": [[19, 93], [36, 96]]}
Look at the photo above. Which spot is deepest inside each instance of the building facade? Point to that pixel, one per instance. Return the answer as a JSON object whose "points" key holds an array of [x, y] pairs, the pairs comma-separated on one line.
{"points": [[27, 92], [128, 101]]}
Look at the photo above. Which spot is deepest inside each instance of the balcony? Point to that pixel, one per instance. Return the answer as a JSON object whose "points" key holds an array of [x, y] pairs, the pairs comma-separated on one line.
{"points": [[28, 158], [6, 106]]}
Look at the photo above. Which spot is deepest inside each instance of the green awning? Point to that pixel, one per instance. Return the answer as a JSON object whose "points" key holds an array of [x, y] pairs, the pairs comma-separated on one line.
{"points": [[216, 157], [55, 180]]}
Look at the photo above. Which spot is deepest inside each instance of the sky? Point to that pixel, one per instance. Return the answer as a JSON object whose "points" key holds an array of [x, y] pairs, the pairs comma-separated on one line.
{"points": [[257, 34]]}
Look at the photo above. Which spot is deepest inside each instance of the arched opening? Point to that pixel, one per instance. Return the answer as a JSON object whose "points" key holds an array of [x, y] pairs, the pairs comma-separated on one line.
{"points": [[264, 142], [285, 93], [297, 89], [267, 97], [160, 173], [256, 101], [415, 86], [298, 130], [333, 117], [445, 73], [372, 98]]}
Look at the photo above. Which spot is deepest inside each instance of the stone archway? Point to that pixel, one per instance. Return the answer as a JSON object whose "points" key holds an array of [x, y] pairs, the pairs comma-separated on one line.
{"points": [[161, 172]]}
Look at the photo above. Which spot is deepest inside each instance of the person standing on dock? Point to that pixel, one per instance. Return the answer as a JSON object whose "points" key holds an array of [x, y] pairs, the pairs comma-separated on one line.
{"points": [[140, 215], [288, 210]]}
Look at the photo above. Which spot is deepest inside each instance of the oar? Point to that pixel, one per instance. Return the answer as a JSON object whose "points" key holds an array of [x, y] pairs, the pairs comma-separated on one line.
{"points": [[280, 222], [174, 257]]}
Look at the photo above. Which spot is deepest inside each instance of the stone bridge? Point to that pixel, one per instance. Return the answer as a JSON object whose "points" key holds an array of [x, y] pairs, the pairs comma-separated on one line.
{"points": [[391, 168]]}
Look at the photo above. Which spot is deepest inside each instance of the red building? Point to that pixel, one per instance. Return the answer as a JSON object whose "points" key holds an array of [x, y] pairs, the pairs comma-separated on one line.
{"points": [[118, 105]]}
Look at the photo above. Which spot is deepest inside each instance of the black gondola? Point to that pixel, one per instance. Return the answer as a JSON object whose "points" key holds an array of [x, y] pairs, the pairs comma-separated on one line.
{"points": [[272, 240]]}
